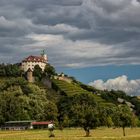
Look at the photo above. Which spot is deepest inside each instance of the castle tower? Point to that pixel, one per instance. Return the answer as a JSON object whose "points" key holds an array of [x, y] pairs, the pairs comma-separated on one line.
{"points": [[30, 77], [44, 55]]}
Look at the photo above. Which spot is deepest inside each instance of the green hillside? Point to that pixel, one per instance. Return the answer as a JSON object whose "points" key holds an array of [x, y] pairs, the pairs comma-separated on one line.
{"points": [[71, 89], [67, 104]]}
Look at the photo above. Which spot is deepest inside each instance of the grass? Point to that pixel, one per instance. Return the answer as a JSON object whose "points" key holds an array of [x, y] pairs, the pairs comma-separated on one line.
{"points": [[72, 134]]}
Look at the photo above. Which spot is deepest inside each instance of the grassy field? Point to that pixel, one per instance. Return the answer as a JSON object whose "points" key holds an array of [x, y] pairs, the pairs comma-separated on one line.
{"points": [[72, 134]]}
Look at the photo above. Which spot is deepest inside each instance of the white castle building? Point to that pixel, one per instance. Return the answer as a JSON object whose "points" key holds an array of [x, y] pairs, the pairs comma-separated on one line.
{"points": [[30, 62]]}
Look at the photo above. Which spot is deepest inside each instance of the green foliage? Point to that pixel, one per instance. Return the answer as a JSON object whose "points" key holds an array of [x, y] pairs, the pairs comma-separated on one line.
{"points": [[136, 122], [135, 101], [106, 115], [70, 89], [123, 117], [89, 88], [50, 112], [13, 104], [81, 110], [8, 82], [63, 111], [10, 70], [67, 88], [49, 70], [70, 104], [20, 100], [37, 73], [112, 96]]}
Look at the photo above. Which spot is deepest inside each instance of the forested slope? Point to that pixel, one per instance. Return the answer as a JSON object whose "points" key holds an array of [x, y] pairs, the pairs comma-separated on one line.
{"points": [[67, 104]]}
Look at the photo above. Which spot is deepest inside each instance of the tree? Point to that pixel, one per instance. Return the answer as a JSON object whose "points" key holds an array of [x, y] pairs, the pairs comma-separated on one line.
{"points": [[84, 112], [50, 112], [20, 100], [123, 117], [14, 104], [10, 70], [106, 116], [37, 73], [136, 101], [64, 105], [85, 116], [81, 110], [49, 70], [2, 70], [37, 102]]}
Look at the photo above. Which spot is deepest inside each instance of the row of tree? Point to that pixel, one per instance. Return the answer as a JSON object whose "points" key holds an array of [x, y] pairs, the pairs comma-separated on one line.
{"points": [[39, 74], [83, 111], [20, 100], [113, 95], [10, 70]]}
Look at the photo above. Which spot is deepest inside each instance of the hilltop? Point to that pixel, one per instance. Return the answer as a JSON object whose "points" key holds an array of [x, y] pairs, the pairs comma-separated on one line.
{"points": [[53, 97]]}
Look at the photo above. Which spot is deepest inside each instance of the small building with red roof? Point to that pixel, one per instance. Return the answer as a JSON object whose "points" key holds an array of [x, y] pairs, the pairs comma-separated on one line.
{"points": [[38, 125], [25, 124]]}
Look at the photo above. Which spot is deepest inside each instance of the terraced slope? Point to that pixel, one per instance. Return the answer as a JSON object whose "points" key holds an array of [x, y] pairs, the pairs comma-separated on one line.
{"points": [[69, 88], [73, 88]]}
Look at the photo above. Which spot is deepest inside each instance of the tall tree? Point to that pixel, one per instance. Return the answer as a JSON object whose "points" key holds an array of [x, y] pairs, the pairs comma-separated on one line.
{"points": [[49, 70], [106, 115], [81, 110], [37, 73], [50, 112], [10, 70], [84, 112], [123, 117]]}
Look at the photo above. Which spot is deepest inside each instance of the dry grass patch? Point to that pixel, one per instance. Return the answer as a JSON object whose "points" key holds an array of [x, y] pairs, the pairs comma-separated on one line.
{"points": [[72, 134]]}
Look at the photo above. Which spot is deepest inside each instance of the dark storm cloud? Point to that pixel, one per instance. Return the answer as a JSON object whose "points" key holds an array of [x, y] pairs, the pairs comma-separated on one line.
{"points": [[106, 35], [56, 12], [81, 32]]}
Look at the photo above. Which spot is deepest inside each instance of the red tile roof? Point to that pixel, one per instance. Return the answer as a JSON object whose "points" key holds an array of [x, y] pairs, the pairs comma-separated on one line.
{"points": [[41, 123], [34, 59]]}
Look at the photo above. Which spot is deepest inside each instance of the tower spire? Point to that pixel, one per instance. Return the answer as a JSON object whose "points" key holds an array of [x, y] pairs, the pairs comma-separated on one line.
{"points": [[44, 55], [42, 52]]}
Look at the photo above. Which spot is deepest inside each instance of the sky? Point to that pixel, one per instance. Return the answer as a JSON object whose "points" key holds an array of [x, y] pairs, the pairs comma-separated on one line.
{"points": [[88, 39]]}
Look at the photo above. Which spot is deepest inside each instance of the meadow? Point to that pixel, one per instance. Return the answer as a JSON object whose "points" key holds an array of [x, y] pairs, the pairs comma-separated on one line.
{"points": [[72, 134]]}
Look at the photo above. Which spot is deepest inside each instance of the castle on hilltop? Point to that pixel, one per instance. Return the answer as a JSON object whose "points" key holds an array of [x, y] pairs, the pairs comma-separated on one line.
{"points": [[30, 62]]}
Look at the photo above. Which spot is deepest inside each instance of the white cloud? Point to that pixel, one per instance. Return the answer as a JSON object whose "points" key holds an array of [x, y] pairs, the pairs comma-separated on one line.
{"points": [[131, 87], [80, 53], [64, 27], [46, 37]]}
